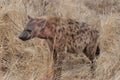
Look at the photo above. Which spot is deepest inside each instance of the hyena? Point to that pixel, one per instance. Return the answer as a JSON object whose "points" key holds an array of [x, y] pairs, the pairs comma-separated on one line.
{"points": [[63, 35]]}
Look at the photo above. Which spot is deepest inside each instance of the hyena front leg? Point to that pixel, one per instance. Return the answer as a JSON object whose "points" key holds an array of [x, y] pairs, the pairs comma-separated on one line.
{"points": [[57, 65]]}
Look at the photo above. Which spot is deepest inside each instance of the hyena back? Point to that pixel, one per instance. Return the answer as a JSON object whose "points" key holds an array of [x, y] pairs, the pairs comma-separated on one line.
{"points": [[63, 35]]}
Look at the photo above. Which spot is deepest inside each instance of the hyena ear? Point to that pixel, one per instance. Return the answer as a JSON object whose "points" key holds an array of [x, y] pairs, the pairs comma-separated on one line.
{"points": [[29, 17]]}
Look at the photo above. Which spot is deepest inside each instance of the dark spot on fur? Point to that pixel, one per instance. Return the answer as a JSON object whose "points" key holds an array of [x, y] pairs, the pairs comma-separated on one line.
{"points": [[72, 36], [4, 68], [63, 28], [82, 31], [67, 34], [78, 32], [70, 21], [77, 22], [59, 30], [85, 50]]}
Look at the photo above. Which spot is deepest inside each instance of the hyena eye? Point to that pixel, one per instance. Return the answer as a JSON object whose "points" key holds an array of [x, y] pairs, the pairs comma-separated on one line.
{"points": [[29, 31]]}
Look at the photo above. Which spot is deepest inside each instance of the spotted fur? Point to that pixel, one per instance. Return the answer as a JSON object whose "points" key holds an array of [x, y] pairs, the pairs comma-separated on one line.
{"points": [[63, 35]]}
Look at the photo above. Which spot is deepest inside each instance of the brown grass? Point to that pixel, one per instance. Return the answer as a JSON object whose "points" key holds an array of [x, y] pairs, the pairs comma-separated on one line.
{"points": [[31, 60]]}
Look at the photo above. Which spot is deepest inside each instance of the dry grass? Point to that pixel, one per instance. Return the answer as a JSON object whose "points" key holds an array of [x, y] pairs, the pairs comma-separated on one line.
{"points": [[31, 60]]}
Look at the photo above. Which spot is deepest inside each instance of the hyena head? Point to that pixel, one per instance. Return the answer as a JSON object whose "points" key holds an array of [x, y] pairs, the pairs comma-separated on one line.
{"points": [[36, 27]]}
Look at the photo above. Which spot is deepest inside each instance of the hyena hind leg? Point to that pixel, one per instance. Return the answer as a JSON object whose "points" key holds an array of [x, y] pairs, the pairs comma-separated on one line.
{"points": [[94, 62], [88, 51]]}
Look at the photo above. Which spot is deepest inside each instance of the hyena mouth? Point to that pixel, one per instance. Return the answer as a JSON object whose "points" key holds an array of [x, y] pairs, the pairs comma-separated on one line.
{"points": [[25, 39]]}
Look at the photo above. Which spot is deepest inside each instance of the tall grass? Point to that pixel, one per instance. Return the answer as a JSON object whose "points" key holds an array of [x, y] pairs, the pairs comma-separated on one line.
{"points": [[31, 60]]}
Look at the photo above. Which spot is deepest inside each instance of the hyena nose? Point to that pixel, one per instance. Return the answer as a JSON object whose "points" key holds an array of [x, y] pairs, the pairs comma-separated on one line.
{"points": [[20, 37], [23, 36]]}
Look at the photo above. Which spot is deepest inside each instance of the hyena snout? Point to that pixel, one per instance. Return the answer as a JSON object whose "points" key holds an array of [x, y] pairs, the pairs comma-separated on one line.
{"points": [[24, 36]]}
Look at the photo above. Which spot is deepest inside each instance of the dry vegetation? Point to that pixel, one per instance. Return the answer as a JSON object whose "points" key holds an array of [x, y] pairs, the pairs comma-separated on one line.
{"points": [[31, 60]]}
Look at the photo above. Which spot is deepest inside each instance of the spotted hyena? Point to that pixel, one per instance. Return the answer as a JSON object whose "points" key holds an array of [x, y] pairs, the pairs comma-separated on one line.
{"points": [[63, 35]]}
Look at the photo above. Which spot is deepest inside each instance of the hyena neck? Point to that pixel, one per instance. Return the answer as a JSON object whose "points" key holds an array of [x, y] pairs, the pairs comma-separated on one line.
{"points": [[48, 32]]}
